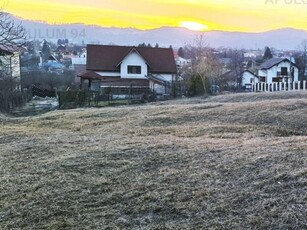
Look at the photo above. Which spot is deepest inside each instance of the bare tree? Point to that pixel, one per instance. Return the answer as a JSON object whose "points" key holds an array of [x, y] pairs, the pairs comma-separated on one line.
{"points": [[207, 68], [206, 64], [304, 57], [11, 33], [236, 66]]}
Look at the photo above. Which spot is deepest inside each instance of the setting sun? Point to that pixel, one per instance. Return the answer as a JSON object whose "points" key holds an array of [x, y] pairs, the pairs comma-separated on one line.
{"points": [[198, 15], [194, 26]]}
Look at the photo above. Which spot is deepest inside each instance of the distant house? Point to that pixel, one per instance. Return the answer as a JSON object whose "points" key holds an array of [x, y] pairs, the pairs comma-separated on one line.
{"points": [[80, 59], [10, 62], [52, 65], [248, 79], [128, 66], [60, 49], [228, 80], [79, 63], [182, 62], [278, 70]]}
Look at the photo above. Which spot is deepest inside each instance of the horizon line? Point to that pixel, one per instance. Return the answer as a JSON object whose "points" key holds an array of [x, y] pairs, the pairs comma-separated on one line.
{"points": [[154, 28]]}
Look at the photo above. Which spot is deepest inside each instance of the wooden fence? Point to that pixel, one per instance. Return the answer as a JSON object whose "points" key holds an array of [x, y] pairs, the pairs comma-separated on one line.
{"points": [[279, 86], [42, 92], [105, 97]]}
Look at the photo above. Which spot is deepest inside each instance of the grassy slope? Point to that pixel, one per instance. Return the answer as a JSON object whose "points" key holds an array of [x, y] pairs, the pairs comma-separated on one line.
{"points": [[184, 164]]}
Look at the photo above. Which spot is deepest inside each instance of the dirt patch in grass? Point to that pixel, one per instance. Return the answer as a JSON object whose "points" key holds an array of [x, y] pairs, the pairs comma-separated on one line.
{"points": [[172, 165]]}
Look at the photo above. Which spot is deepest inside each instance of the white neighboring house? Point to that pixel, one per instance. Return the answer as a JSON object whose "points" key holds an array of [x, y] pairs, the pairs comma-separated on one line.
{"points": [[128, 66], [248, 79], [278, 70], [10, 62], [80, 60], [182, 62]]}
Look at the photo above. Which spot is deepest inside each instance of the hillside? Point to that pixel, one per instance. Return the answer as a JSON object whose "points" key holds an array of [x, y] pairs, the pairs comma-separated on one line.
{"points": [[220, 163]]}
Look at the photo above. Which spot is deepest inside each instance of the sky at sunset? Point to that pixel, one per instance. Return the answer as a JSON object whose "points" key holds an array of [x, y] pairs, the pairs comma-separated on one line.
{"points": [[227, 15]]}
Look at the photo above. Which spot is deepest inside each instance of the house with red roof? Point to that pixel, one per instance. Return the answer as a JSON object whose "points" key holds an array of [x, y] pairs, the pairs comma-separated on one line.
{"points": [[129, 66]]}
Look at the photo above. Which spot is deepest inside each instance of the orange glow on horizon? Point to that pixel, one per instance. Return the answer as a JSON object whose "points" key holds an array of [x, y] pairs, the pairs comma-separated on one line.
{"points": [[194, 26], [198, 15]]}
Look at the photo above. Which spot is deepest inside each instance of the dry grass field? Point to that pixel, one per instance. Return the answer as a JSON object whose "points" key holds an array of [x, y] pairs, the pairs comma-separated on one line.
{"points": [[227, 162]]}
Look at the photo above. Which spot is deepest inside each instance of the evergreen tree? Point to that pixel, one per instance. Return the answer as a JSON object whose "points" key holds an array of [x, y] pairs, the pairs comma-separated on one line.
{"points": [[267, 53], [142, 44], [46, 51], [59, 42], [181, 52]]}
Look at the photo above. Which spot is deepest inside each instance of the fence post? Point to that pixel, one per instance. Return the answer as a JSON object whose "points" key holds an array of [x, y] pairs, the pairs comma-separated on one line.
{"points": [[59, 98], [130, 92], [265, 87], [109, 95]]}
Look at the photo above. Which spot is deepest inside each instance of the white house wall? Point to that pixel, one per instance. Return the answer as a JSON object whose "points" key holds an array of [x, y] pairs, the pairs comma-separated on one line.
{"points": [[109, 74], [262, 73], [15, 66], [159, 89], [167, 77], [11, 65], [78, 61], [247, 77], [133, 59]]}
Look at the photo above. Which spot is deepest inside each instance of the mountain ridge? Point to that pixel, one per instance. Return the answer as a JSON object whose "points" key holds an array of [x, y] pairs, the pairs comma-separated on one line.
{"points": [[283, 38]]}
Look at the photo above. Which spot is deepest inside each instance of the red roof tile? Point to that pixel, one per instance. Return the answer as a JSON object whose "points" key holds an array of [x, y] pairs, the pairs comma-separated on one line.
{"points": [[90, 75], [10, 49]]}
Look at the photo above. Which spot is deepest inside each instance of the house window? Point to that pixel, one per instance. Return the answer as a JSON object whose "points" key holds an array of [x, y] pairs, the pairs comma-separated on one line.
{"points": [[134, 69], [277, 79], [284, 71]]}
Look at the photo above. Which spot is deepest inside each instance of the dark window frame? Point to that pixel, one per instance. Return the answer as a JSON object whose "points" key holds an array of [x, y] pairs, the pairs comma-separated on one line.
{"points": [[284, 71], [262, 79], [134, 69]]}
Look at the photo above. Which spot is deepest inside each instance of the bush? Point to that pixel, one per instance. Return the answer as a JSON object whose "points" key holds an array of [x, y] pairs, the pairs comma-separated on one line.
{"points": [[196, 87], [10, 96], [48, 80]]}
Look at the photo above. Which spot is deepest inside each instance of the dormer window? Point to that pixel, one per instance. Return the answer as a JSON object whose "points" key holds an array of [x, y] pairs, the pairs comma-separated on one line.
{"points": [[134, 69]]}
